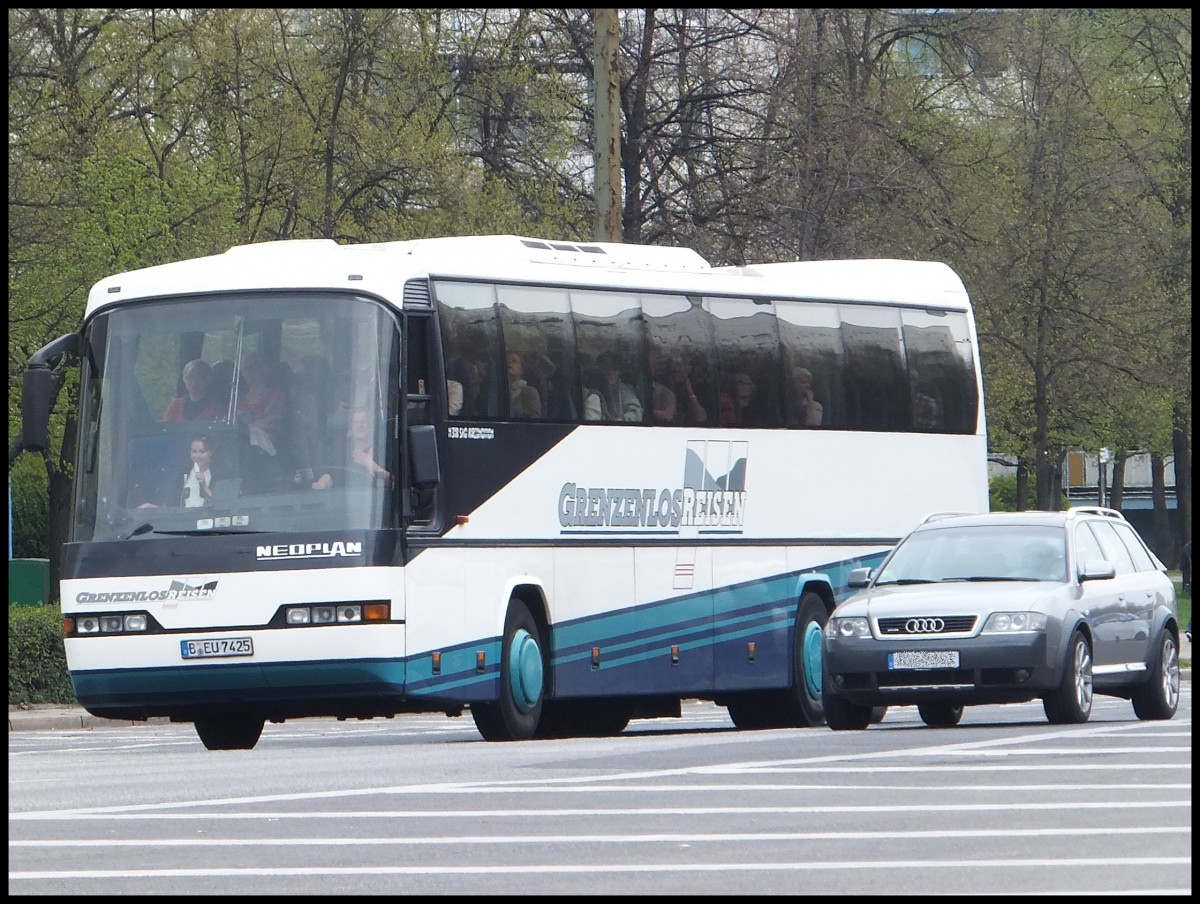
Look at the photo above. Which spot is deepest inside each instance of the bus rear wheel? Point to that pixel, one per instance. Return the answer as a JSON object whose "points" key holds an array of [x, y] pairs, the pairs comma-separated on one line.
{"points": [[797, 706], [229, 731], [515, 714]]}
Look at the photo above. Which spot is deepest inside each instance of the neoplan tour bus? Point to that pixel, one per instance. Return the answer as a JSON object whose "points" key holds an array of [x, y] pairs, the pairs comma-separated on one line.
{"points": [[560, 485]]}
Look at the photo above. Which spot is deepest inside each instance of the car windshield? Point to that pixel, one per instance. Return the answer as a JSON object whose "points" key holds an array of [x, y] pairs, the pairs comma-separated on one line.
{"points": [[992, 552]]}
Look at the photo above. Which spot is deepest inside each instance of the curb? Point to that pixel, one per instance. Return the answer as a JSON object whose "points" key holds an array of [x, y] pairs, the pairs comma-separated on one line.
{"points": [[52, 717]]}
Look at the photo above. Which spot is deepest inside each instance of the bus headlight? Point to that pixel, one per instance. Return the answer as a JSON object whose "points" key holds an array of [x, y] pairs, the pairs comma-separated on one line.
{"points": [[87, 624], [336, 613]]}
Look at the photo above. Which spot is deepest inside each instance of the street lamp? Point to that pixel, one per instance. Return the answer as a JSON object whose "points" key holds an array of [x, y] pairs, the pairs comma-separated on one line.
{"points": [[1104, 456]]}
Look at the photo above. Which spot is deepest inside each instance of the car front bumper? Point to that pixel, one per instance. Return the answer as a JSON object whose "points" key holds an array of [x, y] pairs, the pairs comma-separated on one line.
{"points": [[991, 669]]}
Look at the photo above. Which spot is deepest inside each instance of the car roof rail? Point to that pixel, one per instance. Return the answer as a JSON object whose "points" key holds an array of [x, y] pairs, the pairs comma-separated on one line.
{"points": [[938, 516], [1076, 510]]}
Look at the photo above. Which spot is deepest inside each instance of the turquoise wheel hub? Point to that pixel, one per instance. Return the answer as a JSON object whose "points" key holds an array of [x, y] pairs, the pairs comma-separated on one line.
{"points": [[525, 670], [811, 656]]}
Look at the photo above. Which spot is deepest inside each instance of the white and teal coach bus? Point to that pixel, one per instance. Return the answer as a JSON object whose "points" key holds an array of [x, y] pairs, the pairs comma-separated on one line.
{"points": [[560, 485]]}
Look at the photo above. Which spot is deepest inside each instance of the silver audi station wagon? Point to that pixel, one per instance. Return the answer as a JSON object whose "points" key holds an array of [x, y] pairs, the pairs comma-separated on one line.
{"points": [[1006, 607]]}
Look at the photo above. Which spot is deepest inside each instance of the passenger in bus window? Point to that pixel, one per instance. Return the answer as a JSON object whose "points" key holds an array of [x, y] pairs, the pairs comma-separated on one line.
{"points": [[620, 401], [593, 405], [196, 403], [523, 399], [221, 387], [259, 405], [354, 461], [927, 411], [454, 397], [740, 405], [688, 408], [805, 410], [200, 482], [662, 402]]}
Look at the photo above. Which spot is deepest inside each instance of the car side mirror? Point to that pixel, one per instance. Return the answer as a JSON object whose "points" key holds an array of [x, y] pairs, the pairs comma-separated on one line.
{"points": [[858, 577], [1097, 570]]}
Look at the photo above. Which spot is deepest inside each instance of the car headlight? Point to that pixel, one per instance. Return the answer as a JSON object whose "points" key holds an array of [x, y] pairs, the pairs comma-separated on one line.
{"points": [[1014, 622], [847, 627]]}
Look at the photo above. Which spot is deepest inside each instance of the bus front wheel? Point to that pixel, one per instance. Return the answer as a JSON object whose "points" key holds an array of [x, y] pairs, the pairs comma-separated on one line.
{"points": [[515, 714], [229, 731]]}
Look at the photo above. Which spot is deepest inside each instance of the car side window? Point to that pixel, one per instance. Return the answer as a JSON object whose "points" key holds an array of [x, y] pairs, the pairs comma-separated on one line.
{"points": [[1086, 546], [1137, 551], [1114, 549]]}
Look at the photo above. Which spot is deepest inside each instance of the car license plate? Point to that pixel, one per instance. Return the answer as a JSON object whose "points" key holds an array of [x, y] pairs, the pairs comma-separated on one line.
{"points": [[923, 659], [220, 646]]}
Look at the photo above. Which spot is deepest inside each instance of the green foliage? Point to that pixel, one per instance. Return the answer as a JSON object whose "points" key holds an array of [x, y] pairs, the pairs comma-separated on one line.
{"points": [[37, 663], [30, 508], [1002, 493]]}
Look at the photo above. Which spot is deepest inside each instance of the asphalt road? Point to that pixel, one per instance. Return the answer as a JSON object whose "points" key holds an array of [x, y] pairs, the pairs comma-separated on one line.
{"points": [[1003, 803]]}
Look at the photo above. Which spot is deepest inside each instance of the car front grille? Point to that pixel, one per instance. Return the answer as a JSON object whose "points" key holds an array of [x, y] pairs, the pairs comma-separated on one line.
{"points": [[924, 625]]}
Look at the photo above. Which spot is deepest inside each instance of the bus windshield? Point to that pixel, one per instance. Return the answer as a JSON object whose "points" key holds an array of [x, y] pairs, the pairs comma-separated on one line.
{"points": [[253, 412]]}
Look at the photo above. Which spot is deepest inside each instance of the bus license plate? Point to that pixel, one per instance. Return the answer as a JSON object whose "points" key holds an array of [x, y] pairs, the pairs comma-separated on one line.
{"points": [[220, 646], [923, 659]]}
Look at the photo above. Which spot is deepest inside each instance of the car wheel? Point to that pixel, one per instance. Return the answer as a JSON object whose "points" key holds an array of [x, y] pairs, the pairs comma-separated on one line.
{"points": [[842, 715], [1158, 698], [940, 715], [515, 715], [1071, 702], [229, 731]]}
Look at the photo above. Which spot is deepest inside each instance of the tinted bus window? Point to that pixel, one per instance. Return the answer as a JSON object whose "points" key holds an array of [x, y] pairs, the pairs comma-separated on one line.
{"points": [[814, 363], [472, 348], [877, 393], [538, 351], [941, 371], [612, 361], [679, 343], [747, 346]]}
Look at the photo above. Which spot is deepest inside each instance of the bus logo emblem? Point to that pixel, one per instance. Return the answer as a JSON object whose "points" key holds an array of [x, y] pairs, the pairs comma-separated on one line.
{"points": [[711, 497]]}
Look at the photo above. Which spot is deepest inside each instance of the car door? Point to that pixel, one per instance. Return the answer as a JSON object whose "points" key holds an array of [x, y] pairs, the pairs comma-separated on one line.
{"points": [[1141, 599], [1099, 601], [1131, 640]]}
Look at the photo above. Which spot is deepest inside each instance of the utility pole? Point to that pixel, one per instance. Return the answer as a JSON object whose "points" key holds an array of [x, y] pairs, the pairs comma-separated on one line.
{"points": [[607, 115]]}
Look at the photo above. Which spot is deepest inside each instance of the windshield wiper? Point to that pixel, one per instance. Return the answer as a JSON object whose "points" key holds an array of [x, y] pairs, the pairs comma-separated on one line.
{"points": [[988, 577], [139, 530], [908, 581]]}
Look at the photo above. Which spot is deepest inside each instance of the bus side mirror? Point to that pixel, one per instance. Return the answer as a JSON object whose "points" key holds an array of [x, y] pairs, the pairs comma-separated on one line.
{"points": [[35, 409], [423, 456], [35, 391]]}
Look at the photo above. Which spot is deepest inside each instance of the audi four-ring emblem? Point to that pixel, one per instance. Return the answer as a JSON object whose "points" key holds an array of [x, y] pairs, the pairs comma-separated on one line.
{"points": [[924, 626]]}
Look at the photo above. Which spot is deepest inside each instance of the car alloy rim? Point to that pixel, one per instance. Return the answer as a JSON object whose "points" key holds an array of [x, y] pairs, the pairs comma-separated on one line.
{"points": [[1170, 673], [1083, 677]]}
